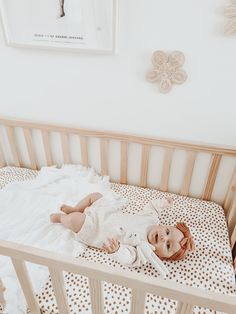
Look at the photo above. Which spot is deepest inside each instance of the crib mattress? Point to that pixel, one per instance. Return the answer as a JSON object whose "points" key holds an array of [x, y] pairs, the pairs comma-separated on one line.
{"points": [[209, 267]]}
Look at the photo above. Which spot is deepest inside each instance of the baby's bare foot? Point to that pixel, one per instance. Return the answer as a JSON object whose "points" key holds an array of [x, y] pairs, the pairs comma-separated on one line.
{"points": [[55, 218], [66, 209]]}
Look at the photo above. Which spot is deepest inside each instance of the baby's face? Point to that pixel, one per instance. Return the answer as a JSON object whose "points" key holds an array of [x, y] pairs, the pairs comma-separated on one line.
{"points": [[165, 239]]}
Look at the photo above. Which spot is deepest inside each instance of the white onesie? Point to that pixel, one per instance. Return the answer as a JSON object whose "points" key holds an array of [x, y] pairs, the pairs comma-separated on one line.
{"points": [[104, 220]]}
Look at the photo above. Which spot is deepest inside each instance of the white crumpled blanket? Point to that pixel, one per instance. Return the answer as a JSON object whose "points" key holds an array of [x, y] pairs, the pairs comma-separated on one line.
{"points": [[25, 208]]}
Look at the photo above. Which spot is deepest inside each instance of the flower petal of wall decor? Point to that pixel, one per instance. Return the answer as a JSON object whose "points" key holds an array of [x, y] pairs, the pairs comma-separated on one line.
{"points": [[230, 12], [167, 70]]}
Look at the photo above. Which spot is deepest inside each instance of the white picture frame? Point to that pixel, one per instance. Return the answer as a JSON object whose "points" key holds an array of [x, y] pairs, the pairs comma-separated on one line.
{"points": [[88, 26]]}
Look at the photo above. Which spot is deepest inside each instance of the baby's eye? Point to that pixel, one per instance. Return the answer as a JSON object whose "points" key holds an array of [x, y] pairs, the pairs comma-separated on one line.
{"points": [[168, 245], [167, 231]]}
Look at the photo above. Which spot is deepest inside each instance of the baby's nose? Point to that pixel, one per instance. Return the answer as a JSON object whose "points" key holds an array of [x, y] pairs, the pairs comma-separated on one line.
{"points": [[162, 237]]}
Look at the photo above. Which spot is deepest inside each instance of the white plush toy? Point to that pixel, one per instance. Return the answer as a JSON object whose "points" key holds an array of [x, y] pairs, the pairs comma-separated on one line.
{"points": [[145, 251]]}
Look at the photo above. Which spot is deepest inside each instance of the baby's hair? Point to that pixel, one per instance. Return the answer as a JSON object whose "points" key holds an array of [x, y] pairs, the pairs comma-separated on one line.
{"points": [[187, 243]]}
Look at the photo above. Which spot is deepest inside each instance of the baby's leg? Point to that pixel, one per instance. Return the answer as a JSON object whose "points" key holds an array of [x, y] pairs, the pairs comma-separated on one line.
{"points": [[84, 203], [73, 221]]}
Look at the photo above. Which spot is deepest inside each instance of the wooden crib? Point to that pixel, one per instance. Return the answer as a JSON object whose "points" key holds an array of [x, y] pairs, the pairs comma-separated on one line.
{"points": [[33, 145]]}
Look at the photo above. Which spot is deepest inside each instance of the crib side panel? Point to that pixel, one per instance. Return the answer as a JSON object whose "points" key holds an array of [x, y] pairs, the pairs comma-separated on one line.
{"points": [[190, 169], [139, 283]]}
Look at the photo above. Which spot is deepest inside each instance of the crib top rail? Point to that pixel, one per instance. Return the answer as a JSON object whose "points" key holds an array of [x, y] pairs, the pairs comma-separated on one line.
{"points": [[137, 282], [193, 146]]}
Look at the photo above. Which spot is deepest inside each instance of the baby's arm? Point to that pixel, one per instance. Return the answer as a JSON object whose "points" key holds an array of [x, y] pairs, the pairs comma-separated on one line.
{"points": [[133, 256], [84, 203], [124, 254]]}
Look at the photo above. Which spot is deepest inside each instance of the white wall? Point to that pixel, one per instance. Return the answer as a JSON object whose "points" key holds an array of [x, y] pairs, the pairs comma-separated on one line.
{"points": [[111, 93]]}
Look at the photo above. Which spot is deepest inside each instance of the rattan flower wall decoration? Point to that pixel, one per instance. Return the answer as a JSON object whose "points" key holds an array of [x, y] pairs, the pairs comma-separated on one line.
{"points": [[230, 12], [167, 70]]}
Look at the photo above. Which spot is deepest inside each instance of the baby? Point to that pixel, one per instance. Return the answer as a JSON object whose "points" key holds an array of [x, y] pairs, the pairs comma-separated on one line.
{"points": [[98, 222]]}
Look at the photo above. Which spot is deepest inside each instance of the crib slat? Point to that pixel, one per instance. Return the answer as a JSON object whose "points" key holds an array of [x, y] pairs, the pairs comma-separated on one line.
{"points": [[209, 186], [47, 147], [144, 165], [65, 148], [231, 216], [59, 290], [123, 162], [137, 302], [166, 169], [184, 308], [30, 148], [230, 191], [13, 146], [26, 285], [233, 238], [84, 151], [104, 156], [188, 173], [96, 296], [2, 158]]}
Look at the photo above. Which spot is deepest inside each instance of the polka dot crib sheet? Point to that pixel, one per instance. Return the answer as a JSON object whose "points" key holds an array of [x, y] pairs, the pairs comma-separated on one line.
{"points": [[209, 267]]}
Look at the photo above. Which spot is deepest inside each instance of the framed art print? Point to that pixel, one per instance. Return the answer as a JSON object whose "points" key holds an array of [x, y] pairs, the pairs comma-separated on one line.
{"points": [[77, 25]]}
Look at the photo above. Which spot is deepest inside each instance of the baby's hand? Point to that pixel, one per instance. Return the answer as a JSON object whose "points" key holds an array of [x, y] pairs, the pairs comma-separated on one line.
{"points": [[112, 246]]}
